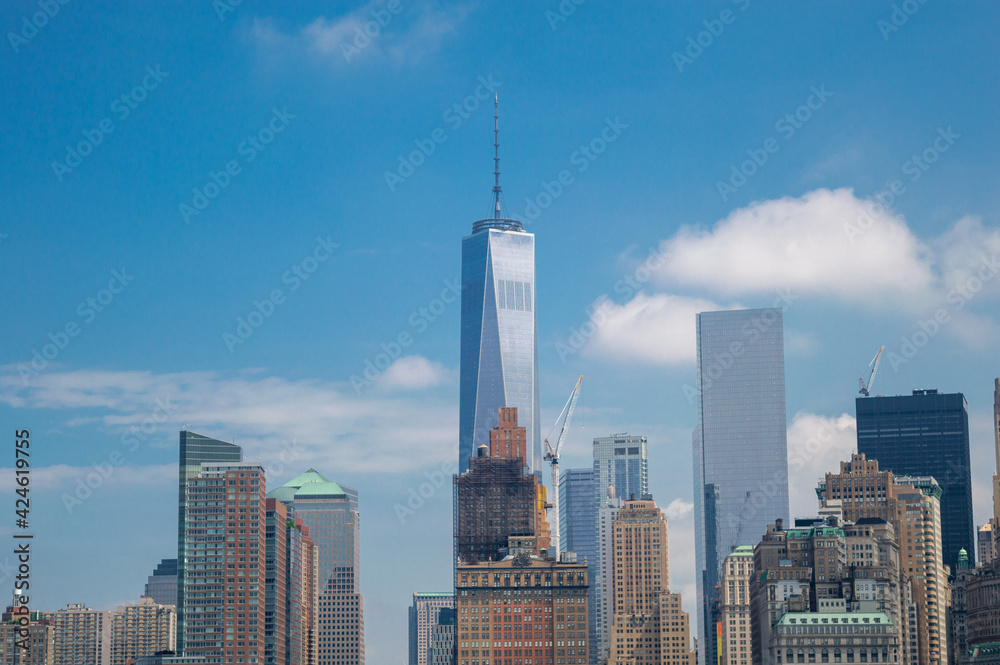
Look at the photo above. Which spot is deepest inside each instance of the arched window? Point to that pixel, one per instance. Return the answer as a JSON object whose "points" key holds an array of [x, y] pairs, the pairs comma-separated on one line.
{"points": [[836, 655], [850, 655], [864, 655], [874, 655], [812, 655], [802, 656], [789, 657], [825, 656]]}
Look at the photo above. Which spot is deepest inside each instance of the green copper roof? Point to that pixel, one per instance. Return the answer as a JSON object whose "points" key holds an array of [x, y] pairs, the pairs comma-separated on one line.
{"points": [[818, 618], [963, 559], [306, 485], [742, 550]]}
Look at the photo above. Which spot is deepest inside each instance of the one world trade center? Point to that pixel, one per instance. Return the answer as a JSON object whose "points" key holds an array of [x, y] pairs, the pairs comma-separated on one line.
{"points": [[499, 353]]}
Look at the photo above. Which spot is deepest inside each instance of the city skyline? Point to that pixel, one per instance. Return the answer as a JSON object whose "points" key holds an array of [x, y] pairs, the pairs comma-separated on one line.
{"points": [[243, 220]]}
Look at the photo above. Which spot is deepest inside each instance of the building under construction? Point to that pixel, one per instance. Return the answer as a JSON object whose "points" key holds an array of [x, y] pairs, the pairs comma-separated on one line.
{"points": [[498, 497]]}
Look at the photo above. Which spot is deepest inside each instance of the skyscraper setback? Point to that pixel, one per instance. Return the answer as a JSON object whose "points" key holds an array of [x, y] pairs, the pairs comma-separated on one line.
{"points": [[499, 350], [740, 448]]}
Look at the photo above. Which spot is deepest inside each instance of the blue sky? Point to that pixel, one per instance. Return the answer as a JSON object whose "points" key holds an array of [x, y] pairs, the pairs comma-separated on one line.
{"points": [[289, 135]]}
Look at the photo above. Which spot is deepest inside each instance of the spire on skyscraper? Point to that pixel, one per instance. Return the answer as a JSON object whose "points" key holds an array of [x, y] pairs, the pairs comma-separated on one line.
{"points": [[496, 156]]}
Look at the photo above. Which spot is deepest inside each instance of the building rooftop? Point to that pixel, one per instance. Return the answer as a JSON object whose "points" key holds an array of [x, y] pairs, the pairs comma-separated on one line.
{"points": [[308, 485], [818, 618]]}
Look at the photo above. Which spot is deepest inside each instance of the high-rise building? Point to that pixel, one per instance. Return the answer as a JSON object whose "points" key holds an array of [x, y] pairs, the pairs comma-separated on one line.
{"points": [[161, 586], [142, 629], [25, 638], [648, 625], [499, 347], [524, 608], [996, 469], [925, 434], [80, 635], [578, 533], [734, 608], [195, 450], [442, 639], [424, 615], [986, 544], [740, 447], [620, 460], [496, 498], [330, 510], [605, 582], [226, 553]]}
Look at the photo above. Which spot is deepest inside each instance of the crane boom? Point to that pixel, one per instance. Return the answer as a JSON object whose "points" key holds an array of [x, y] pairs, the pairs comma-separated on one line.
{"points": [[867, 387], [552, 456]]}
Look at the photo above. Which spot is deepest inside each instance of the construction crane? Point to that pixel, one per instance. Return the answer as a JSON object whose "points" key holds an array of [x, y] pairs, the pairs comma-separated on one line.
{"points": [[867, 387], [552, 456]]}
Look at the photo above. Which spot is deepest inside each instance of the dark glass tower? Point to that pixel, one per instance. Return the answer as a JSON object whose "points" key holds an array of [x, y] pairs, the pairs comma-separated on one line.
{"points": [[499, 350], [195, 450], [578, 533], [740, 447], [925, 434]]}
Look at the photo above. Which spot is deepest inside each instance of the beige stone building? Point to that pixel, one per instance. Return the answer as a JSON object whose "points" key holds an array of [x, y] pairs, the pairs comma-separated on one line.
{"points": [[25, 639], [142, 629], [734, 608], [648, 625]]}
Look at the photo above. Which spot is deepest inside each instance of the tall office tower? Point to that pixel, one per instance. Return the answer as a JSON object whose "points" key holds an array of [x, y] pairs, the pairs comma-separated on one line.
{"points": [[620, 461], [648, 625], [424, 615], [740, 449], [925, 434], [80, 635], [442, 639], [28, 643], [226, 553], [957, 615], [523, 609], [734, 607], [330, 510], [496, 498], [161, 586], [499, 347], [142, 629], [605, 582], [290, 606], [195, 450], [578, 533]]}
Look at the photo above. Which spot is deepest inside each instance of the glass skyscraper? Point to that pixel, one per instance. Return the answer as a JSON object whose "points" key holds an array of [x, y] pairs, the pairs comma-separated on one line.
{"points": [[740, 446], [619, 460], [499, 353], [195, 450], [330, 510], [499, 348], [578, 533], [925, 434]]}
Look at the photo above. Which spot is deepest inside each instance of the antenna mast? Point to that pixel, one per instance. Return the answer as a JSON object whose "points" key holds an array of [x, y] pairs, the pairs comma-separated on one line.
{"points": [[496, 156]]}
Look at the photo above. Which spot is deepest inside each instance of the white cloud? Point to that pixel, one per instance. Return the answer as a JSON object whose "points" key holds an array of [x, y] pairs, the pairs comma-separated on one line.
{"points": [[413, 373], [678, 508], [803, 244], [326, 422], [370, 33], [816, 444], [63, 476], [656, 328]]}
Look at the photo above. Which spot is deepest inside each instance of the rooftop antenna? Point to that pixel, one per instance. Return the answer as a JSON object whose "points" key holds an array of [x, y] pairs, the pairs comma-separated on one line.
{"points": [[496, 156]]}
